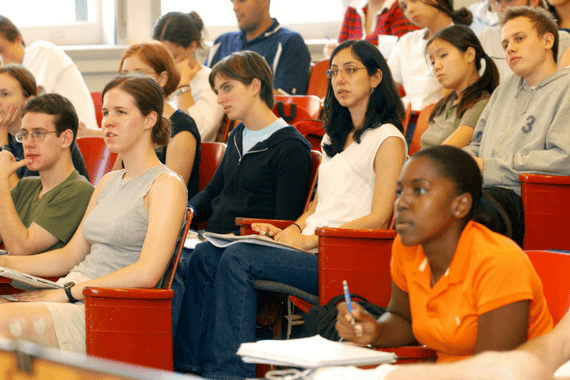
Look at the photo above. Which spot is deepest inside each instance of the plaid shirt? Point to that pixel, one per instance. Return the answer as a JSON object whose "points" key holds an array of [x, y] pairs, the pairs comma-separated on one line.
{"points": [[390, 21]]}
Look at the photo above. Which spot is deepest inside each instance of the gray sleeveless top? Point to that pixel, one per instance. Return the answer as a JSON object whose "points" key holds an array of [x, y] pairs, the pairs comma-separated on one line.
{"points": [[117, 225]]}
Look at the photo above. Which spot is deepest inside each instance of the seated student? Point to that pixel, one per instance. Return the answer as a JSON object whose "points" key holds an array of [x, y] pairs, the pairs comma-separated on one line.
{"points": [[491, 39], [524, 127], [129, 231], [19, 85], [484, 15], [379, 22], [284, 50], [457, 58], [560, 10], [458, 287], [182, 35], [265, 170], [407, 61], [53, 69], [182, 154], [364, 151], [42, 214]]}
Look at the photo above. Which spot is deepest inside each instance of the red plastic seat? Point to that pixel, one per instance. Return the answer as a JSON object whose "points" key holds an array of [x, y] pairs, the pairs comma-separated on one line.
{"points": [[318, 82], [359, 256], [98, 159], [211, 154], [553, 269], [307, 107], [134, 325], [98, 103], [546, 202], [226, 126], [421, 126], [407, 118]]}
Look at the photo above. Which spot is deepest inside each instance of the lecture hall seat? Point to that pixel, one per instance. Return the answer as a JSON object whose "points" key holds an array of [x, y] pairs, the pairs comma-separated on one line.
{"points": [[421, 126], [98, 159], [318, 82], [546, 202], [135, 325]]}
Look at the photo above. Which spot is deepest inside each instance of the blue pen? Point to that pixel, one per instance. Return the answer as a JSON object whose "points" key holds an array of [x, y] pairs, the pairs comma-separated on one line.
{"points": [[347, 299]]}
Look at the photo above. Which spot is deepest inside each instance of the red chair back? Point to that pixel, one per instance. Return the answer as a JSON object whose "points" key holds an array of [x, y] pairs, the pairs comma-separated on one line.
{"points": [[211, 154], [407, 117], [134, 325], [553, 269], [359, 256], [315, 162], [546, 202], [313, 131], [317, 81], [98, 159], [98, 103], [306, 107], [421, 126]]}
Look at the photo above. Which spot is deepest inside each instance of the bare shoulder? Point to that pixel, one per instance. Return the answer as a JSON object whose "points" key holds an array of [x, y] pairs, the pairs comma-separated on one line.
{"points": [[168, 184]]}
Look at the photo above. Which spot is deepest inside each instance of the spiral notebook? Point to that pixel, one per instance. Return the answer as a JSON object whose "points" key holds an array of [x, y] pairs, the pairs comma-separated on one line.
{"points": [[312, 352]]}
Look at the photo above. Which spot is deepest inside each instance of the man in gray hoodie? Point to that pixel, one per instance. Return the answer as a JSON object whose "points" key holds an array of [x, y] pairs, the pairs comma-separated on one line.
{"points": [[524, 128]]}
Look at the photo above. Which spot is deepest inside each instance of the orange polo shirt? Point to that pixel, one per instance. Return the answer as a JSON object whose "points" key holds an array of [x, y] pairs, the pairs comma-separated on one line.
{"points": [[488, 271]]}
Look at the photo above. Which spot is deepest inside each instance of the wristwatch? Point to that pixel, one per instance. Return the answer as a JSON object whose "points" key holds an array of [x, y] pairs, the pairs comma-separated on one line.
{"points": [[67, 287], [6, 147]]}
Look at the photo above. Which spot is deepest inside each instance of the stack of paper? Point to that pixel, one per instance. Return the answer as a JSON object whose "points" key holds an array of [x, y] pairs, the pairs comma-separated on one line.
{"points": [[311, 352]]}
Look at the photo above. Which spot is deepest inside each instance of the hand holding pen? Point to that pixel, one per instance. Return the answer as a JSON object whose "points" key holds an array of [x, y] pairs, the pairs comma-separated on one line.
{"points": [[357, 326]]}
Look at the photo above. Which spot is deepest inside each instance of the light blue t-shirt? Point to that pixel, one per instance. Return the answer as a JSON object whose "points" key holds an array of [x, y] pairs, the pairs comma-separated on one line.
{"points": [[250, 138]]}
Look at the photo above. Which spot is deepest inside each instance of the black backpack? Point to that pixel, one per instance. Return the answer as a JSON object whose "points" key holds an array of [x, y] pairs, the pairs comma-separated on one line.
{"points": [[322, 319]]}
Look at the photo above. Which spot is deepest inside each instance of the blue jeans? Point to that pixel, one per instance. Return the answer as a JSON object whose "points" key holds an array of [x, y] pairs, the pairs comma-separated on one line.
{"points": [[219, 305]]}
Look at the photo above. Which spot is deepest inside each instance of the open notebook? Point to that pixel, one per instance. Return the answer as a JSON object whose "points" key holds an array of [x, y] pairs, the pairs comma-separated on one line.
{"points": [[312, 352], [223, 241], [27, 281]]}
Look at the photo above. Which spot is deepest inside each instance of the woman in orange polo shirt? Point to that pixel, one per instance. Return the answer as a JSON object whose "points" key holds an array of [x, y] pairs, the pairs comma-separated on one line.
{"points": [[458, 287]]}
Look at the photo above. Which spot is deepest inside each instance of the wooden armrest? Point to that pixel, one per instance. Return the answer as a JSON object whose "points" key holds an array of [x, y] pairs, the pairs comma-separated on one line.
{"points": [[245, 224], [128, 293], [359, 233], [546, 179]]}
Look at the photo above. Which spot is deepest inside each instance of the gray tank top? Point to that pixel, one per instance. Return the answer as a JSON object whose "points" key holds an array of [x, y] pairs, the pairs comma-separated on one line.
{"points": [[117, 225]]}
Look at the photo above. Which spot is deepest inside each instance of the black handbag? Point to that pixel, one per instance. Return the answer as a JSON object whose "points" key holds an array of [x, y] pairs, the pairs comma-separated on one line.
{"points": [[321, 319]]}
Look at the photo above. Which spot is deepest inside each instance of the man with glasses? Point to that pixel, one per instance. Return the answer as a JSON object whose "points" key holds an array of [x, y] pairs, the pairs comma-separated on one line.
{"points": [[491, 37], [42, 213]]}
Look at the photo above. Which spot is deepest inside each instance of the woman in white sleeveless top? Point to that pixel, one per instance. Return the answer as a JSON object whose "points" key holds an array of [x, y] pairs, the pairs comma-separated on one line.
{"points": [[129, 230]]}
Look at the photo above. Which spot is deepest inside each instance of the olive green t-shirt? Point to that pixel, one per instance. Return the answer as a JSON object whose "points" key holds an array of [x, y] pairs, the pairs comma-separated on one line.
{"points": [[59, 211]]}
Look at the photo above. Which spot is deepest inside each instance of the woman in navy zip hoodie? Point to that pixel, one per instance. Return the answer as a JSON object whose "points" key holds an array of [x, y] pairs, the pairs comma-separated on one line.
{"points": [[265, 170]]}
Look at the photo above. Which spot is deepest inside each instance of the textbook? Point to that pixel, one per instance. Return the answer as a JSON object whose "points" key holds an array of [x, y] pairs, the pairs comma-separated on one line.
{"points": [[223, 241], [312, 352], [27, 281]]}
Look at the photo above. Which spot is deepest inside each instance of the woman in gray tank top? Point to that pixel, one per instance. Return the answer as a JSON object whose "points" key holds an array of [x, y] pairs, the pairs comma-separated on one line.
{"points": [[129, 230]]}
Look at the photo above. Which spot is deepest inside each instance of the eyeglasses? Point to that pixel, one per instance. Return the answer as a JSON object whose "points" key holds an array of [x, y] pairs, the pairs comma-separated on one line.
{"points": [[349, 71], [37, 135]]}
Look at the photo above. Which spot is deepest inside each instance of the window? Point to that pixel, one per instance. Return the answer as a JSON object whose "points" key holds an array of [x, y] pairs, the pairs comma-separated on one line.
{"points": [[63, 22]]}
